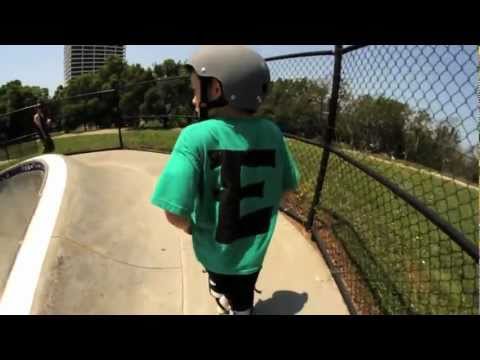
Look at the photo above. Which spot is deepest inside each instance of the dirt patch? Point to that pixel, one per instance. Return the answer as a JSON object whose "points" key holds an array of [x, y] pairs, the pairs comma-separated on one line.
{"points": [[361, 296]]}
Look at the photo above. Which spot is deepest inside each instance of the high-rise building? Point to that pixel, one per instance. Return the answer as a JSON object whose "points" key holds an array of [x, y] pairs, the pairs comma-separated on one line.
{"points": [[82, 59]]}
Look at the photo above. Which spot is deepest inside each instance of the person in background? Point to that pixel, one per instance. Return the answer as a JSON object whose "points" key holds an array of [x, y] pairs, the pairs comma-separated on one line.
{"points": [[42, 124]]}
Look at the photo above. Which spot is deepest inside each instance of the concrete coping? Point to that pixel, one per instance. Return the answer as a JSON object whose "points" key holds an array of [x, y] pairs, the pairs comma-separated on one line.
{"points": [[17, 298]]}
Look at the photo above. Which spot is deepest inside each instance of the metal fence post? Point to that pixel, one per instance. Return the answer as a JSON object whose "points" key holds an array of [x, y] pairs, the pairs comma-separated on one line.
{"points": [[120, 122], [118, 115], [332, 117]]}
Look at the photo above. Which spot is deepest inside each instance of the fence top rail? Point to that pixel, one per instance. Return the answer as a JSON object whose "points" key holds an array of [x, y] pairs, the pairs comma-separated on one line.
{"points": [[18, 110], [84, 95], [352, 48], [459, 238], [123, 87], [99, 92], [157, 80], [32, 136], [302, 54]]}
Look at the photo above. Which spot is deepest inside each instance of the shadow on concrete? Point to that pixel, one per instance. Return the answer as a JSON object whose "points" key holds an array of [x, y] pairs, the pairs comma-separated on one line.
{"points": [[282, 302]]}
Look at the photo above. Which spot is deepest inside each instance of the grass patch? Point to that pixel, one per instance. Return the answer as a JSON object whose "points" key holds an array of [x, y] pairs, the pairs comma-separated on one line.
{"points": [[81, 143], [408, 262], [456, 203], [160, 140], [7, 164], [21, 150]]}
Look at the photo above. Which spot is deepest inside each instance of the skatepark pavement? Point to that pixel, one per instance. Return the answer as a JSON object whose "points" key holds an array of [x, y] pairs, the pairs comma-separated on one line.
{"points": [[112, 252]]}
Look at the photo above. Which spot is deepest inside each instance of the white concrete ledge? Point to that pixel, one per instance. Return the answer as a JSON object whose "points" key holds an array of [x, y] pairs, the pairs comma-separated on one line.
{"points": [[20, 289]]}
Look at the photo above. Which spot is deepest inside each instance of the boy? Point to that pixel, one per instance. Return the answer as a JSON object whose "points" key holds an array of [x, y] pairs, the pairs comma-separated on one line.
{"points": [[42, 123], [226, 176]]}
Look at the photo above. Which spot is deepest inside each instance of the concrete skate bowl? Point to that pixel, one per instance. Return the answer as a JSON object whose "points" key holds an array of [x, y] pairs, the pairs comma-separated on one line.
{"points": [[29, 201], [91, 243], [20, 189], [97, 255]]}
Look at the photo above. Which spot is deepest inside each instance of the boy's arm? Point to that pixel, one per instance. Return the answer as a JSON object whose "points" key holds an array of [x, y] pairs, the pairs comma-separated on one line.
{"points": [[287, 194], [177, 187], [36, 121], [179, 222]]}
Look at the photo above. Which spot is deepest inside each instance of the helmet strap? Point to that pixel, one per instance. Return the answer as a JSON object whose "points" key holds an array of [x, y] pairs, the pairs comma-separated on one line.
{"points": [[204, 85], [205, 104]]}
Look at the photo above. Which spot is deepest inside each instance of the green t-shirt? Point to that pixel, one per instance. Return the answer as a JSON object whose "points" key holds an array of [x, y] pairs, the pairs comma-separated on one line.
{"points": [[228, 177]]}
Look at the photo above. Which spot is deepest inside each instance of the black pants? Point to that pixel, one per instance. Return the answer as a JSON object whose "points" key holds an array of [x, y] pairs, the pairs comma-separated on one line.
{"points": [[48, 145], [238, 289]]}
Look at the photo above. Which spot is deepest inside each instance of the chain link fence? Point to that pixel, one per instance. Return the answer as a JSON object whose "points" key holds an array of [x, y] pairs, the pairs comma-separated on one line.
{"points": [[97, 121], [395, 174], [386, 141], [298, 102]]}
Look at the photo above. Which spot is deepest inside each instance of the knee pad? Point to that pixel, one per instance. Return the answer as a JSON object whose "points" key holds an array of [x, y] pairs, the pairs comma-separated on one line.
{"points": [[223, 305]]}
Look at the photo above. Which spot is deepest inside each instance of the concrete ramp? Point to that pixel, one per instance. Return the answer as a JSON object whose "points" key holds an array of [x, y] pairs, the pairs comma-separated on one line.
{"points": [[111, 252], [19, 195]]}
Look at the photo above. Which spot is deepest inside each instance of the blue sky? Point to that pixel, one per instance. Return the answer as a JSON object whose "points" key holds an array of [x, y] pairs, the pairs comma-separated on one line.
{"points": [[42, 65], [396, 71], [439, 79]]}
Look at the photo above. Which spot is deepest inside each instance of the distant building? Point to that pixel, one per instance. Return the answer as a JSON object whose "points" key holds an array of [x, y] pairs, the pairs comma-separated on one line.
{"points": [[82, 59]]}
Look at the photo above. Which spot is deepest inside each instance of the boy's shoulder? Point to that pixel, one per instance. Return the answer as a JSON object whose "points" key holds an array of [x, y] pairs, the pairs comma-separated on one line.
{"points": [[201, 130], [271, 125], [257, 123], [196, 130], [200, 126], [268, 127], [196, 133]]}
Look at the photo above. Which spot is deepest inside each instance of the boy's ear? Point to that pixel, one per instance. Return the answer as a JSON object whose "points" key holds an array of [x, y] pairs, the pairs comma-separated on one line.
{"points": [[217, 88]]}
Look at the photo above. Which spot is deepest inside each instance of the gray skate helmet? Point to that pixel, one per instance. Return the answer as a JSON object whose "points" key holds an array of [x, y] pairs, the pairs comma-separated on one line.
{"points": [[243, 74]]}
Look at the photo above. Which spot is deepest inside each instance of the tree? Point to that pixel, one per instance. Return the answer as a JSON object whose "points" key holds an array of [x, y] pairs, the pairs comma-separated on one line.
{"points": [[472, 165], [168, 68], [13, 96], [168, 98], [445, 154], [138, 82], [418, 136], [297, 106], [79, 111], [376, 124]]}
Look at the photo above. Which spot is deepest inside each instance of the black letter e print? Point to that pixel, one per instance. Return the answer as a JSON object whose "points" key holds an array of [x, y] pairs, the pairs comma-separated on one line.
{"points": [[230, 225]]}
